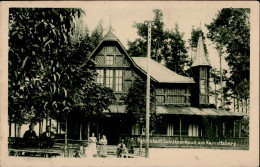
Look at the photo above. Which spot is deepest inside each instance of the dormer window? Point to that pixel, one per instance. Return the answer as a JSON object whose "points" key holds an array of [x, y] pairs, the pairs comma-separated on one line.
{"points": [[110, 60]]}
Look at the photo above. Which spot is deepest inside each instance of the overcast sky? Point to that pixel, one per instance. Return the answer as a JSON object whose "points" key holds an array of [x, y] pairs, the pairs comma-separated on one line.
{"points": [[124, 14]]}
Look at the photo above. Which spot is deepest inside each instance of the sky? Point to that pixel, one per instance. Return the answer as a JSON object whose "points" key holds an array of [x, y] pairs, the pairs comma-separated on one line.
{"points": [[123, 15]]}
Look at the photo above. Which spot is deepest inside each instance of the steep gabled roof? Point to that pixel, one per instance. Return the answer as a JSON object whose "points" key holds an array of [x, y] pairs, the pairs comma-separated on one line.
{"points": [[110, 36], [160, 73], [200, 59]]}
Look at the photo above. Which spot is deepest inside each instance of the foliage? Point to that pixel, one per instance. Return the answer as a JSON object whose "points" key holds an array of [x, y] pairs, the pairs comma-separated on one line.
{"points": [[210, 123], [37, 37], [193, 41], [230, 30], [139, 46], [174, 50], [136, 103], [166, 45], [245, 127], [97, 34]]}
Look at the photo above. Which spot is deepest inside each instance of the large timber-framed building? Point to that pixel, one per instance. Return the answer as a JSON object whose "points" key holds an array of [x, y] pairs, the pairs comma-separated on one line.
{"points": [[182, 101]]}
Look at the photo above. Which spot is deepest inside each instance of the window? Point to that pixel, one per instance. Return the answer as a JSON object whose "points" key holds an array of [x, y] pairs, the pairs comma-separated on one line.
{"points": [[109, 78], [100, 77], [160, 99], [203, 72], [110, 60], [119, 78], [159, 91], [203, 86]]}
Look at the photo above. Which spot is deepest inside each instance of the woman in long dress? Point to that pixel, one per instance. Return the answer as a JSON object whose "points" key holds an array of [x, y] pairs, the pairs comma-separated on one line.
{"points": [[93, 144], [103, 147]]}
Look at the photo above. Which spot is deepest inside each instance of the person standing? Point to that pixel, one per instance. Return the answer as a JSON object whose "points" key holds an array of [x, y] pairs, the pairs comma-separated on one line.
{"points": [[103, 148], [93, 144]]}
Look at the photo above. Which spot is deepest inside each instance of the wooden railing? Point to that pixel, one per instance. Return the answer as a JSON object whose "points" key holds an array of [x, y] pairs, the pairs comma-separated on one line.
{"points": [[188, 142]]}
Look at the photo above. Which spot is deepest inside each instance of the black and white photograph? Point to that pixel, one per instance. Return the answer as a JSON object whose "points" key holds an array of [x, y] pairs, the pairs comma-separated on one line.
{"points": [[135, 83]]}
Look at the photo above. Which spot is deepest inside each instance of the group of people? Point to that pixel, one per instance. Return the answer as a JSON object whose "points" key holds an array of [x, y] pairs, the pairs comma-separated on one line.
{"points": [[86, 149], [30, 134], [89, 149]]}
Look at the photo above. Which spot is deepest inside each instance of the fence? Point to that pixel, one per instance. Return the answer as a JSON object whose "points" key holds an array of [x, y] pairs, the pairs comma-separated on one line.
{"points": [[189, 142]]}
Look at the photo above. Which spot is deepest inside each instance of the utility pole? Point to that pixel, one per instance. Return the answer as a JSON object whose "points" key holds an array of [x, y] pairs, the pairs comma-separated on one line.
{"points": [[148, 90]]}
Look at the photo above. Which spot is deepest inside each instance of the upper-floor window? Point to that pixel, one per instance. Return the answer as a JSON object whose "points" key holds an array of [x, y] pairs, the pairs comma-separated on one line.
{"points": [[119, 80], [203, 72], [100, 77], [109, 60], [109, 78], [202, 86]]}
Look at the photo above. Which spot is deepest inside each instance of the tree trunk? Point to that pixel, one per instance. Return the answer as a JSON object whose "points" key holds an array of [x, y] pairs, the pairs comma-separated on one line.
{"points": [[242, 105], [216, 96], [80, 129], [41, 125], [57, 127], [50, 124], [60, 127], [237, 104], [66, 137], [246, 105], [10, 126], [15, 127], [234, 101], [141, 143], [88, 129], [221, 86], [19, 130], [39, 128], [47, 119]]}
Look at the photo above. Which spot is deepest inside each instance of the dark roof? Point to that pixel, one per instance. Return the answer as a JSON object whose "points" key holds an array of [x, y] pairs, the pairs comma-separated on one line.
{"points": [[161, 73], [200, 59]]}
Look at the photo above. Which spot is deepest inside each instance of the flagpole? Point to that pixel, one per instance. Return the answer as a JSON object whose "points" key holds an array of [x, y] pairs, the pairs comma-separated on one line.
{"points": [[148, 91]]}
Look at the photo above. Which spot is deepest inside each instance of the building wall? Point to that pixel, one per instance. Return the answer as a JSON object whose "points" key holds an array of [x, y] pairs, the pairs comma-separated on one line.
{"points": [[116, 71]]}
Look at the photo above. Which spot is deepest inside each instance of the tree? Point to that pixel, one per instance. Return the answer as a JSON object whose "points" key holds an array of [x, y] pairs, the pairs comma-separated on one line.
{"points": [[139, 46], [231, 30], [193, 41], [167, 45], [174, 51], [97, 34], [136, 103], [214, 74], [37, 37]]}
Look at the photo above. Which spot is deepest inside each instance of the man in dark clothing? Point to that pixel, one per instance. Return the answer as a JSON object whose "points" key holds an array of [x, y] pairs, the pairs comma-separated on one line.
{"points": [[30, 134], [48, 134], [47, 138]]}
